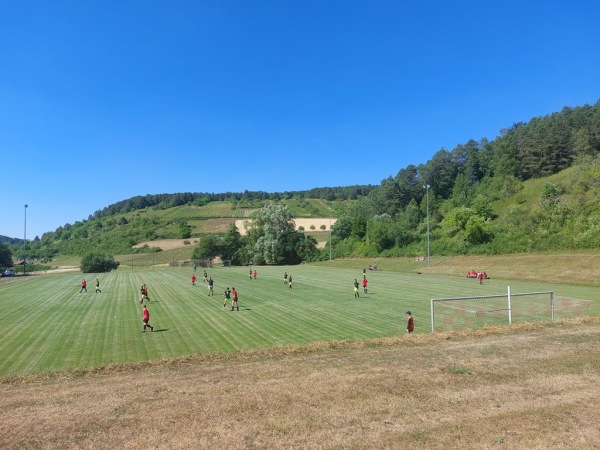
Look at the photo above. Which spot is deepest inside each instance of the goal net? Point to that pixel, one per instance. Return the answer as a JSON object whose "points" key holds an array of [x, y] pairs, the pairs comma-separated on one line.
{"points": [[476, 312]]}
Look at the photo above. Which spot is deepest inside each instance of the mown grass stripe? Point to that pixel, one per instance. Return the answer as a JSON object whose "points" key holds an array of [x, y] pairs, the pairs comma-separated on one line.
{"points": [[45, 324]]}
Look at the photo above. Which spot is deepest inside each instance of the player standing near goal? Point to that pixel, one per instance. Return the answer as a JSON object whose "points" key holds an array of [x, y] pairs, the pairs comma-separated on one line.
{"points": [[410, 323], [193, 279]]}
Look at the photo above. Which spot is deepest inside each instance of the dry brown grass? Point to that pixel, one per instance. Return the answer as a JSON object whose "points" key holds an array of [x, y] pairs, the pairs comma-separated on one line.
{"points": [[167, 244], [528, 386], [574, 267], [579, 267], [299, 222]]}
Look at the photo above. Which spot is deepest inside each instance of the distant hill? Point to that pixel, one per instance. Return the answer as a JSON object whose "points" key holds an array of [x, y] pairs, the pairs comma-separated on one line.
{"points": [[6, 239], [121, 233]]}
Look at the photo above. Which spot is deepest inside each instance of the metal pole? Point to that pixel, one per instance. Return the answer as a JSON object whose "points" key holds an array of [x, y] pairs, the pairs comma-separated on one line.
{"points": [[509, 308], [25, 242], [330, 233], [428, 258], [432, 316]]}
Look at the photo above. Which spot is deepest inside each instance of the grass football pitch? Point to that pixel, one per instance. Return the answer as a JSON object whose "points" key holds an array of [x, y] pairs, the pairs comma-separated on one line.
{"points": [[48, 325]]}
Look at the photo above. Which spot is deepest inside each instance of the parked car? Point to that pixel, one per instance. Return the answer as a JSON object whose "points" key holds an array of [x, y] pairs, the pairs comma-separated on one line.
{"points": [[9, 273]]}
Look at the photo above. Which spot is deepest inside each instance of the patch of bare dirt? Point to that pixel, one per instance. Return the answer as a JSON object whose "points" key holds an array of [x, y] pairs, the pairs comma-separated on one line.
{"points": [[62, 269], [305, 223], [167, 244], [217, 225]]}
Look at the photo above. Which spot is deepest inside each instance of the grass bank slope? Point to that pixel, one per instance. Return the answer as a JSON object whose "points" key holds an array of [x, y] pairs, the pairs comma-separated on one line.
{"points": [[524, 387], [556, 267]]}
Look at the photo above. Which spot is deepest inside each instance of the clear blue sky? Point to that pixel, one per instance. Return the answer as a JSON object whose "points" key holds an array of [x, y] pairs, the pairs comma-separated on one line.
{"points": [[104, 100]]}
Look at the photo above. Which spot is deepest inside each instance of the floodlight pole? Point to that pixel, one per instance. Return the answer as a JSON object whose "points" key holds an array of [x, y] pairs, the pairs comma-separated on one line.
{"points": [[330, 233], [428, 258], [25, 241]]}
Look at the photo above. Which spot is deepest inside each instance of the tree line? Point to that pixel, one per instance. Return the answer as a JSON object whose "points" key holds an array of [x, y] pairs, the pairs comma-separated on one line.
{"points": [[165, 201]]}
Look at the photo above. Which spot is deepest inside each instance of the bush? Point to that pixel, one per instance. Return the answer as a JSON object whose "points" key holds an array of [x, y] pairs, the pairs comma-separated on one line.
{"points": [[98, 263], [5, 256]]}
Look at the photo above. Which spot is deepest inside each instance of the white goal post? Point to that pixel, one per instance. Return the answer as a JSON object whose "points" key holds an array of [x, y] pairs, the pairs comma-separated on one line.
{"points": [[476, 312]]}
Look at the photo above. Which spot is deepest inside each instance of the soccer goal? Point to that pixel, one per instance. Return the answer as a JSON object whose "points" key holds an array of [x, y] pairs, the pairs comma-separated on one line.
{"points": [[475, 312]]}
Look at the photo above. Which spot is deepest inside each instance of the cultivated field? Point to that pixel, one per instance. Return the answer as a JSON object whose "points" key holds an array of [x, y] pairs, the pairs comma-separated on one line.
{"points": [[308, 368], [317, 223]]}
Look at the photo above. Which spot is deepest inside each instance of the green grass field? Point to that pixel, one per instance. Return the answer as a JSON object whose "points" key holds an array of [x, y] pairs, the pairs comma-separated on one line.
{"points": [[47, 325]]}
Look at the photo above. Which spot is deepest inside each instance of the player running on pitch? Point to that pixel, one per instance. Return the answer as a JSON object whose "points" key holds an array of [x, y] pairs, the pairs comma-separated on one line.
{"points": [[211, 286], [146, 320], [144, 292]]}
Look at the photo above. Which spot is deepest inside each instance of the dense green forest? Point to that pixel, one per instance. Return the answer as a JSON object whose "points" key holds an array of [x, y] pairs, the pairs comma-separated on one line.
{"points": [[535, 187]]}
